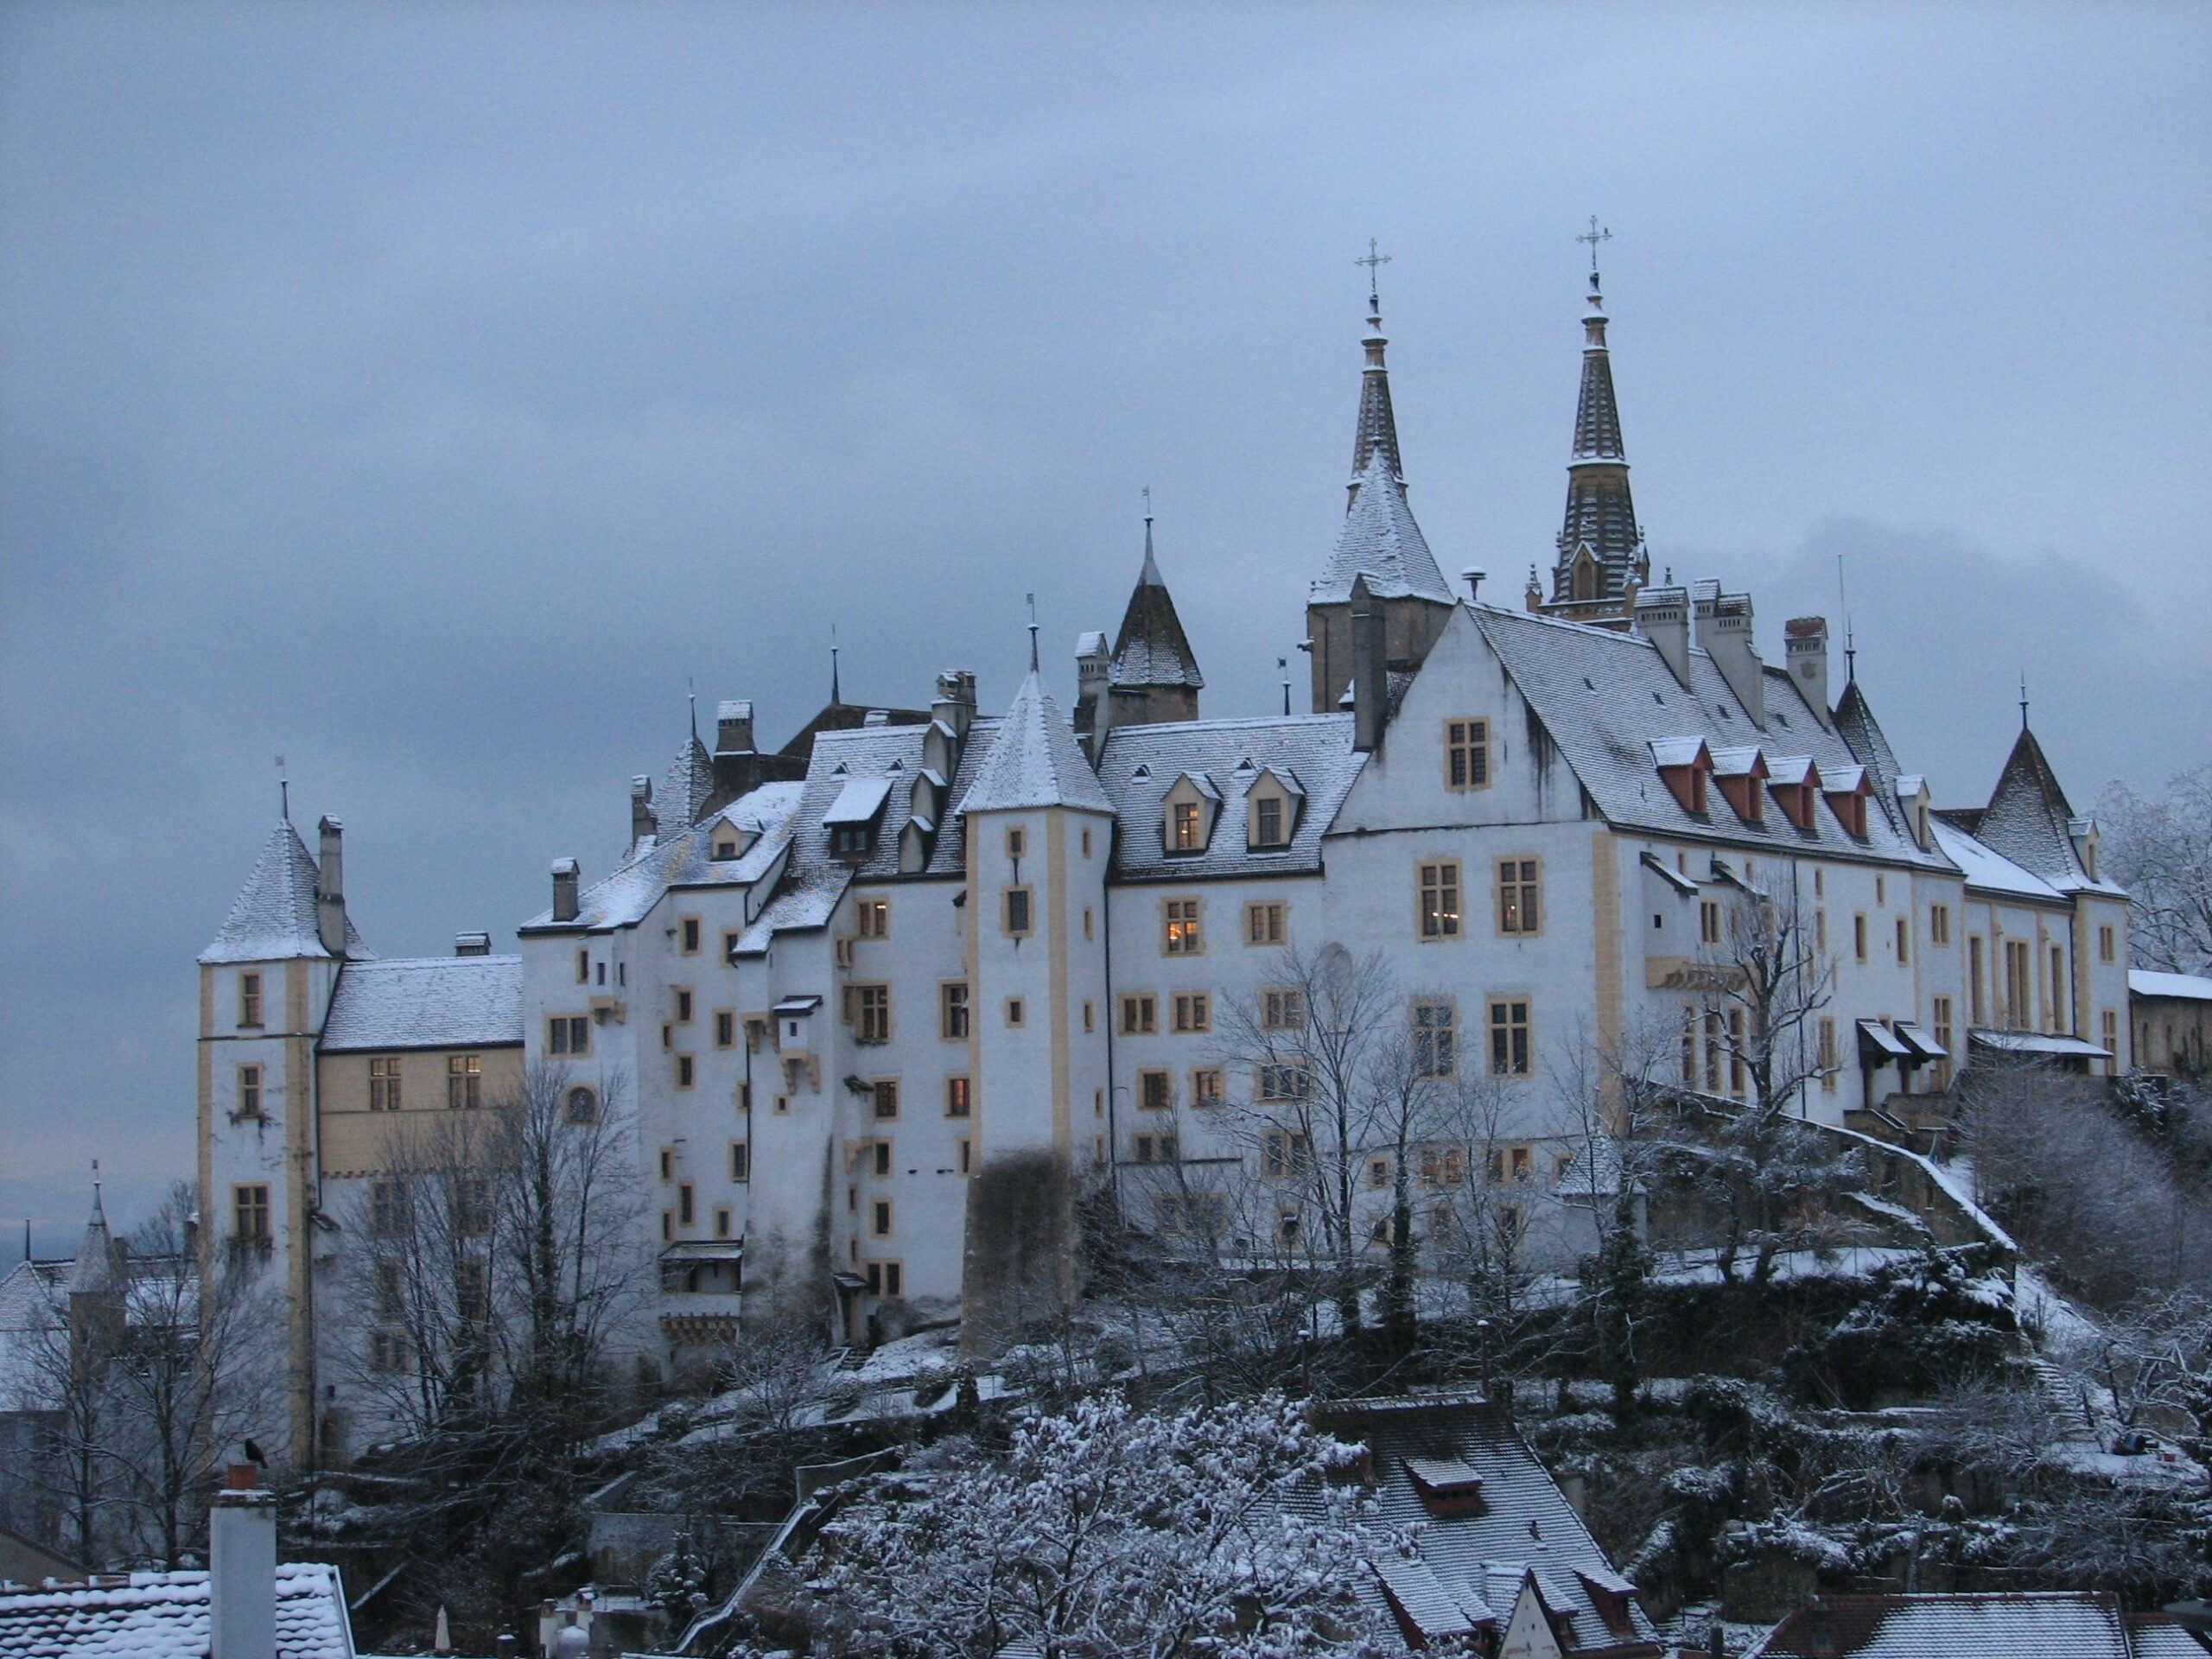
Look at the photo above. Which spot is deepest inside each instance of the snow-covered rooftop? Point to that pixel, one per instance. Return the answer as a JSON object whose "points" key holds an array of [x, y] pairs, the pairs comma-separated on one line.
{"points": [[164, 1615], [1138, 765], [426, 1002], [273, 918], [1989, 871], [1034, 761], [2187, 987], [1381, 542], [2018, 1624]]}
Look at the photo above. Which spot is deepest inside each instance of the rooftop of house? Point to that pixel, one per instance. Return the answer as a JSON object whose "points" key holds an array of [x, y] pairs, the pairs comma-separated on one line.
{"points": [[164, 1615], [2185, 988], [1381, 542], [2020, 1624], [425, 1002], [273, 918]]}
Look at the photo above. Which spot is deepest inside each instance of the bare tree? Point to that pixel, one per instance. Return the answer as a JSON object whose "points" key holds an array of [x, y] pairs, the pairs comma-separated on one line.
{"points": [[67, 1363], [2160, 850]]}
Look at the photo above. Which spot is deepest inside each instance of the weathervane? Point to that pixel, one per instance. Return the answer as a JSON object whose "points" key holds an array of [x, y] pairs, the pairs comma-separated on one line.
{"points": [[1373, 259], [1032, 599], [283, 791]]}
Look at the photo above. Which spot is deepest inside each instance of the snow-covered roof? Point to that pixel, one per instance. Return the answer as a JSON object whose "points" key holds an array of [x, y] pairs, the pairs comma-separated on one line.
{"points": [[1610, 703], [2029, 821], [1988, 871], [426, 1002], [1381, 542], [1034, 761], [1152, 649], [2018, 1624], [627, 895], [682, 799], [2187, 987], [164, 1615], [1138, 765], [858, 802], [273, 918]]}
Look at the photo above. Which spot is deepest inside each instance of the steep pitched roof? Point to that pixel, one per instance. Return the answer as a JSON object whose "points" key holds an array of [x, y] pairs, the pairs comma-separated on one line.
{"points": [[681, 801], [273, 918], [425, 1002], [2029, 820], [1138, 765], [164, 1615], [1381, 542], [1377, 430], [627, 895], [1854, 720], [1152, 650], [1600, 510], [1034, 761]]}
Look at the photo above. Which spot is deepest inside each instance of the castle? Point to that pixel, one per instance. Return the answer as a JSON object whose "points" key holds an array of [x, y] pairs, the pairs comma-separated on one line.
{"points": [[874, 1006]]}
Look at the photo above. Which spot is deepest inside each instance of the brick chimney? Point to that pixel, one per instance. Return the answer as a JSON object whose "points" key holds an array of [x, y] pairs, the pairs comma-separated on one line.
{"points": [[242, 1567], [330, 888], [1807, 644], [567, 883]]}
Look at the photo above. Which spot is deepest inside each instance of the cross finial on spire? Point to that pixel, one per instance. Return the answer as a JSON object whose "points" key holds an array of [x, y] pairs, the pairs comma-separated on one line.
{"points": [[1593, 236], [1374, 290], [692, 698], [284, 791], [1032, 599], [2023, 700]]}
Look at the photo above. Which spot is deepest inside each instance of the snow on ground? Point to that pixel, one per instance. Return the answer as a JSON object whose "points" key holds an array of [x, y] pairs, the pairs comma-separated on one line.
{"points": [[2054, 1322]]}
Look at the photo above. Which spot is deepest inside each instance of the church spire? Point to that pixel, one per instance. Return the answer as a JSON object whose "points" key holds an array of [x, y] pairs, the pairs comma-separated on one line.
{"points": [[1601, 555], [1377, 431]]}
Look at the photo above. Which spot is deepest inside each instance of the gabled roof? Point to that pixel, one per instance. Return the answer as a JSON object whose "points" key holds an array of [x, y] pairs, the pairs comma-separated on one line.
{"points": [[1138, 766], [425, 1002], [273, 918], [2018, 1624], [628, 893], [1381, 542], [1034, 761], [164, 1615], [1151, 649], [2029, 820]]}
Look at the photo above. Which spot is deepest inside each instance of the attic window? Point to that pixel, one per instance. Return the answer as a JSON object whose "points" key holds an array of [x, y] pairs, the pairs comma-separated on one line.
{"points": [[1448, 1486], [1186, 827], [725, 847]]}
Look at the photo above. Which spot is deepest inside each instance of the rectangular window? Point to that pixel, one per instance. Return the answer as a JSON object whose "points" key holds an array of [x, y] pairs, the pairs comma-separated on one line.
{"points": [[1859, 935], [667, 1164], [722, 1223], [248, 1000], [1973, 980], [1285, 1155], [1736, 1074], [1089, 1016], [1440, 899], [1820, 932], [1943, 1035], [871, 1013], [388, 1210], [568, 1033], [1520, 897], [472, 1206], [1015, 1013], [2059, 1000], [1466, 754], [2019, 991], [1017, 841], [384, 1082], [952, 1011], [2106, 944], [1140, 1015], [1205, 1086], [1689, 1048], [1182, 935], [1266, 824], [794, 1078], [959, 1100], [1716, 1047], [1708, 921], [583, 967], [874, 919], [249, 1212], [1193, 1012], [1282, 1008], [725, 1028], [2112, 1040], [880, 1217], [1827, 1055], [690, 926], [686, 1205], [1378, 1171], [1186, 828], [1904, 938], [1939, 924], [1442, 1166], [249, 1092], [1017, 912], [740, 1160], [687, 1070], [1155, 1090], [1265, 924], [1436, 1040], [881, 1158], [1510, 1055], [885, 1093], [464, 1080], [1279, 1082], [388, 1352], [682, 1007], [390, 1292], [967, 1156]]}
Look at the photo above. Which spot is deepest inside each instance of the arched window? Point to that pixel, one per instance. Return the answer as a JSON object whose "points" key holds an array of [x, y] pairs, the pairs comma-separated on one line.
{"points": [[583, 1105]]}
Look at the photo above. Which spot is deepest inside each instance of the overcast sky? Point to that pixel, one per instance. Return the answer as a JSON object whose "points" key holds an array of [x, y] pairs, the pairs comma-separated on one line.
{"points": [[427, 393]]}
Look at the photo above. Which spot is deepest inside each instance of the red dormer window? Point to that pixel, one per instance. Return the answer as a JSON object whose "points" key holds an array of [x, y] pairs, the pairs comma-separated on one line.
{"points": [[1847, 794], [1742, 775], [1684, 763]]}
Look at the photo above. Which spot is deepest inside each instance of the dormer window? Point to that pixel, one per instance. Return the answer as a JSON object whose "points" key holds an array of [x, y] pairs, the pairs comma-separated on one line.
{"points": [[727, 845], [1741, 774], [852, 817], [1189, 833], [1190, 811], [1684, 764], [1846, 789], [1271, 811], [1789, 782]]}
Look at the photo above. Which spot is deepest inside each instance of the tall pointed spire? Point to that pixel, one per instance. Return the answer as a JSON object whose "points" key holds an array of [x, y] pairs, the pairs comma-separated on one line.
{"points": [[1154, 673], [1377, 431], [1601, 553]]}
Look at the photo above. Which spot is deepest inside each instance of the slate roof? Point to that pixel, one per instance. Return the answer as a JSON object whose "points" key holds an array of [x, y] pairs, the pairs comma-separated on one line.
{"points": [[1034, 761], [1988, 871], [1377, 432], [1600, 510], [681, 800], [1381, 542], [1138, 765], [2020, 1624], [273, 918], [2187, 987], [1606, 698], [1152, 650], [1477, 1552], [627, 895], [2029, 820], [1854, 719], [164, 1615], [425, 1002]]}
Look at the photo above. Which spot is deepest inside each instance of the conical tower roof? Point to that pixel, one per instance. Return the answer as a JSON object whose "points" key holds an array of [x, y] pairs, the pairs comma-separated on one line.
{"points": [[1377, 430], [94, 1269], [273, 918], [2029, 818], [1034, 761], [1381, 542], [1152, 650], [681, 801], [1600, 510]]}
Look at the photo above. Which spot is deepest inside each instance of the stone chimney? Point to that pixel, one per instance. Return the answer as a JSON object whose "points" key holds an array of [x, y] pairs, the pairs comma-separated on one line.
{"points": [[642, 822], [1724, 628], [1370, 676], [1094, 709], [472, 945], [567, 883], [1662, 616], [1807, 644], [734, 727], [242, 1567], [954, 702], [330, 888]]}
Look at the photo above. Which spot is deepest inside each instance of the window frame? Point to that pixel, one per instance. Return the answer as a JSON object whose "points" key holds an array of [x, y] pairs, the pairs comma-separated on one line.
{"points": [[1468, 755], [872, 1012], [387, 1083], [1139, 1013], [1023, 899], [1267, 922], [1191, 1012], [1182, 926], [252, 1009], [1517, 890], [1505, 1061], [1432, 1060], [464, 1082], [1440, 899]]}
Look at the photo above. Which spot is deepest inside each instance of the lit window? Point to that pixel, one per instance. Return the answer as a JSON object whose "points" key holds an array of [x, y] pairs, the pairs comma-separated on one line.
{"points": [[1182, 937], [1440, 899], [384, 1082], [1510, 1055], [1467, 754], [874, 918], [464, 1080], [959, 1098], [1186, 827], [1520, 899]]}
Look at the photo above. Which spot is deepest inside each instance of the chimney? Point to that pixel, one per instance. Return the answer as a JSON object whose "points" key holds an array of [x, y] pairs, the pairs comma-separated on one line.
{"points": [[1807, 639], [242, 1568], [567, 882], [1371, 680], [1724, 628], [954, 702], [330, 888], [642, 822], [734, 727], [472, 945], [1662, 616], [1094, 709]]}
